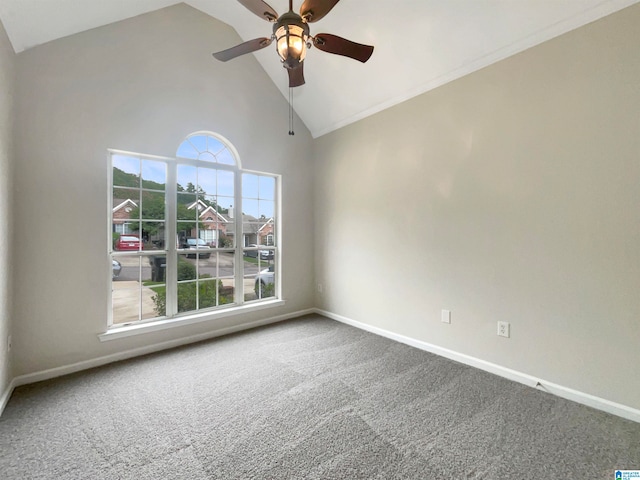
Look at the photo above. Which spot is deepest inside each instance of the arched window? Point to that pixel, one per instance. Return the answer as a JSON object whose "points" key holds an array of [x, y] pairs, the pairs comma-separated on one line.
{"points": [[200, 222], [207, 147]]}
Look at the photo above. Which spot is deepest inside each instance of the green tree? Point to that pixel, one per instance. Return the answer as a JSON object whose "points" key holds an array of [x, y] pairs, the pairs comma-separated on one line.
{"points": [[152, 213], [183, 213], [124, 179], [152, 208]]}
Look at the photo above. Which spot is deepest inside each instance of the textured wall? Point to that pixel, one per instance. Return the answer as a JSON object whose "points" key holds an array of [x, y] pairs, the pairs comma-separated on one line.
{"points": [[7, 74], [140, 85], [511, 194]]}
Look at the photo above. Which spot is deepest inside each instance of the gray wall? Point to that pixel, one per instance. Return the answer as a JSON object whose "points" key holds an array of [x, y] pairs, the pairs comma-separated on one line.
{"points": [[511, 194], [7, 74], [140, 85]]}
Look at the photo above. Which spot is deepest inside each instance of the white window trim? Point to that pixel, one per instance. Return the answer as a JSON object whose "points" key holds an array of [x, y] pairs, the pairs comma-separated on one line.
{"points": [[139, 328]]}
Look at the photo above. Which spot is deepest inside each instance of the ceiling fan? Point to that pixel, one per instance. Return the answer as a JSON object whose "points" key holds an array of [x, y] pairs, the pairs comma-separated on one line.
{"points": [[291, 33]]}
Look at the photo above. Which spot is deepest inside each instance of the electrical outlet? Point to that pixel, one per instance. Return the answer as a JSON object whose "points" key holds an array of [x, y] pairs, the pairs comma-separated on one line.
{"points": [[503, 329], [445, 316]]}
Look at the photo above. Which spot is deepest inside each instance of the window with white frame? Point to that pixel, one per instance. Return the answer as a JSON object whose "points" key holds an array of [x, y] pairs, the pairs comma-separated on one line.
{"points": [[192, 227]]}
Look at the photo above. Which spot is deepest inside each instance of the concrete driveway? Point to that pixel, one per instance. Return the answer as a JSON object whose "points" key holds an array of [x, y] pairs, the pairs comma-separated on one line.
{"points": [[127, 297]]}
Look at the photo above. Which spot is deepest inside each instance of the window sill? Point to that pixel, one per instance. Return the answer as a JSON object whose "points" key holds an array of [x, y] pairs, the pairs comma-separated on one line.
{"points": [[154, 326]]}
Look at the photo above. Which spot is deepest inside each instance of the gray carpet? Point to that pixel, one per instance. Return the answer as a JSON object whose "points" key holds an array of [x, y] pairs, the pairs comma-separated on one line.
{"points": [[308, 398]]}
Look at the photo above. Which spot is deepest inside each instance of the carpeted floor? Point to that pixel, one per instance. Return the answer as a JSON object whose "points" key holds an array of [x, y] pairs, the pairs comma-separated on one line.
{"points": [[308, 398]]}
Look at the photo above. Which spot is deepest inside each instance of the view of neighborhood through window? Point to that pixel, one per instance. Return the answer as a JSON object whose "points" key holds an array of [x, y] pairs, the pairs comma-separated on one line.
{"points": [[190, 233]]}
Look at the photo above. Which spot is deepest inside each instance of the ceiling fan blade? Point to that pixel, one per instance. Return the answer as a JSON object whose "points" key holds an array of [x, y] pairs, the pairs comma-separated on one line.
{"points": [[246, 47], [314, 10], [341, 46], [296, 76], [261, 9]]}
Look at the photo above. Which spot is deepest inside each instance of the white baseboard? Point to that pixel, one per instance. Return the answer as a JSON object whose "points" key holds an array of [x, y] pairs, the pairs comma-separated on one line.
{"points": [[568, 393], [6, 395], [136, 352]]}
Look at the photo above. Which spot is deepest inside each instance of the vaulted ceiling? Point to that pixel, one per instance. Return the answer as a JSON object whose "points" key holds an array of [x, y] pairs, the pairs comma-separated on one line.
{"points": [[419, 44]]}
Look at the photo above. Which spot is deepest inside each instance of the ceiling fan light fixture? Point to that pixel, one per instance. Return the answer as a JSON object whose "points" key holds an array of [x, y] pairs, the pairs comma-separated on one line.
{"points": [[292, 37]]}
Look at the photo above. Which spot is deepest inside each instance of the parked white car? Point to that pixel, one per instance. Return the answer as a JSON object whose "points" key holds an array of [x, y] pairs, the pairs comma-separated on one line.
{"points": [[265, 283]]}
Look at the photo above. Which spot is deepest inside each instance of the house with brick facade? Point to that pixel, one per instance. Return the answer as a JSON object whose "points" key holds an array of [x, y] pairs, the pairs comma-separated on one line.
{"points": [[266, 233], [121, 215], [215, 227]]}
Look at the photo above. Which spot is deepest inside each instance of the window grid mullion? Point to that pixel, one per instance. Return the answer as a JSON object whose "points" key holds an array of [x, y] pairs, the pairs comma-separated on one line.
{"points": [[239, 262], [171, 258]]}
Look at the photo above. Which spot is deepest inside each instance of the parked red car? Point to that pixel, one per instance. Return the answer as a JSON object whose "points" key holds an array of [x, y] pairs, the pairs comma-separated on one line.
{"points": [[129, 242]]}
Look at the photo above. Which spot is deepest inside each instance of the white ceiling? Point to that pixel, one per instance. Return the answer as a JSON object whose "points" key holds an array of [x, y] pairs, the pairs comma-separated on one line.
{"points": [[419, 44]]}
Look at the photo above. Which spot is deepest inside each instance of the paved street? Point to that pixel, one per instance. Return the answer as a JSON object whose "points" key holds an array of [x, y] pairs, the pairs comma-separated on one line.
{"points": [[224, 267]]}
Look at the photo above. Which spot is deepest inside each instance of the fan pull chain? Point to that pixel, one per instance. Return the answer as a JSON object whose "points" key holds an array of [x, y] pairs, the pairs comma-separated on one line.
{"points": [[291, 132]]}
